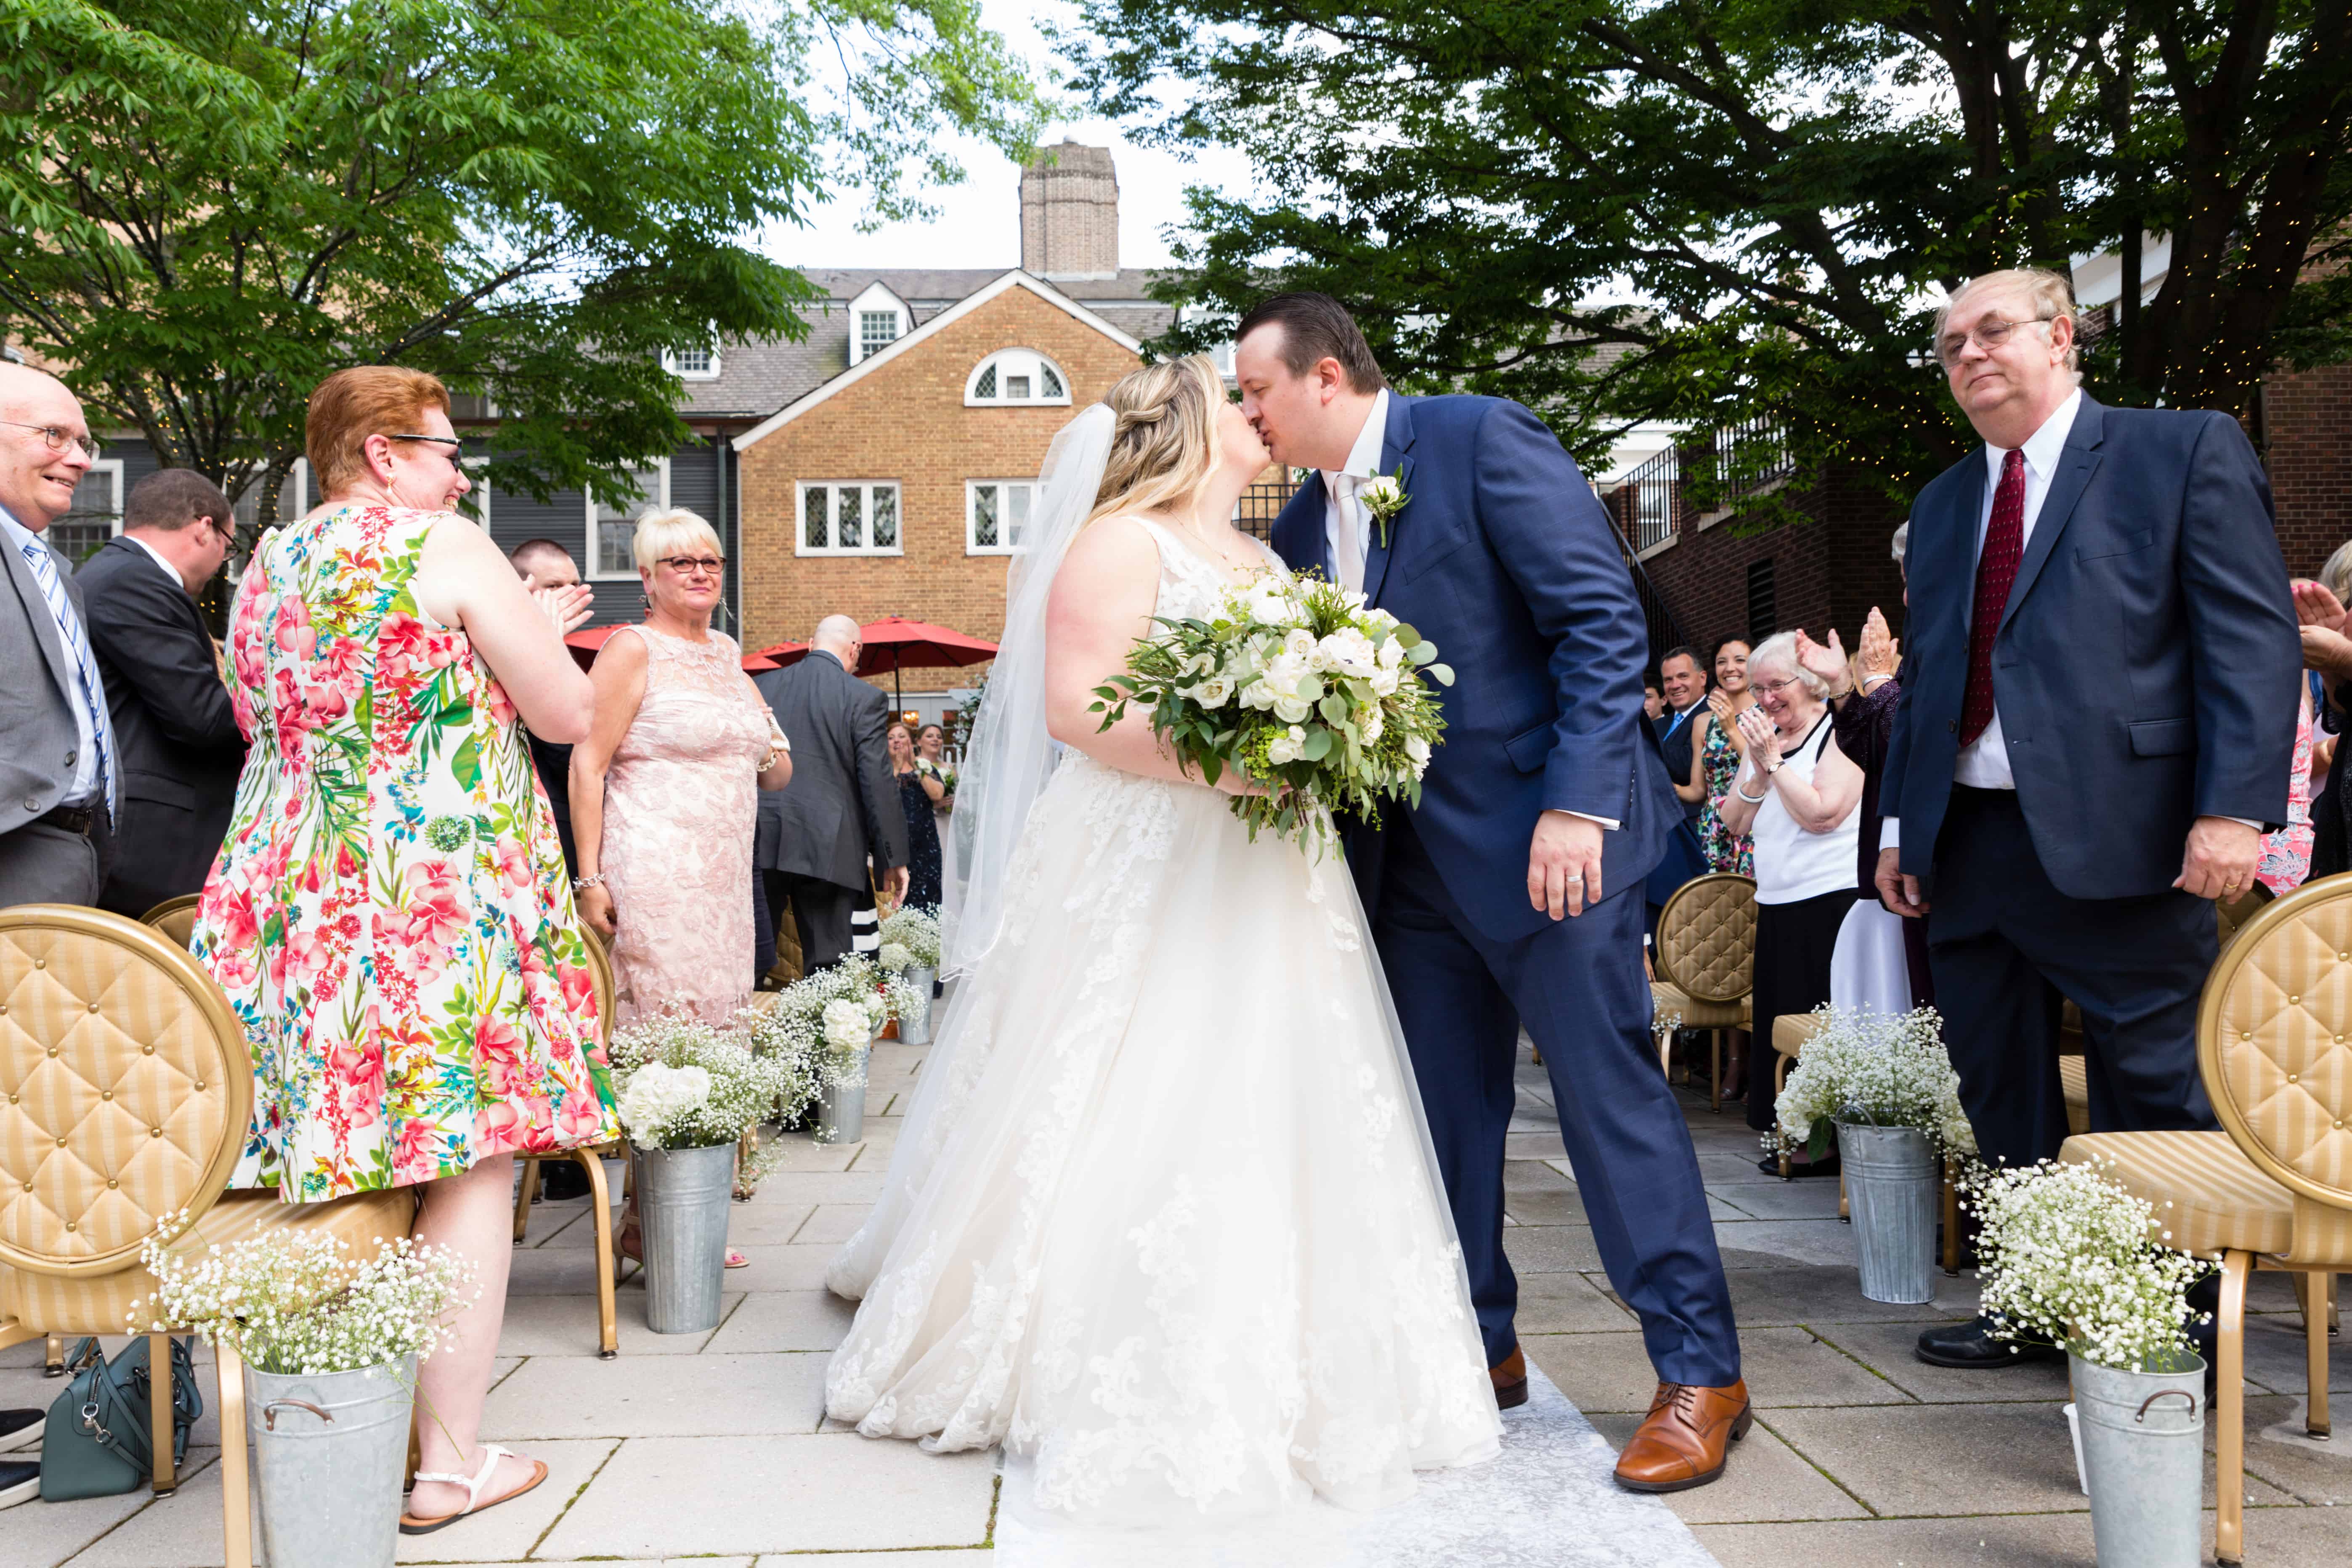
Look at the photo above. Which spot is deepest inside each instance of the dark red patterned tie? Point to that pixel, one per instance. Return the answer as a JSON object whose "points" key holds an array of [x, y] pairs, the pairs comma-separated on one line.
{"points": [[1996, 569]]}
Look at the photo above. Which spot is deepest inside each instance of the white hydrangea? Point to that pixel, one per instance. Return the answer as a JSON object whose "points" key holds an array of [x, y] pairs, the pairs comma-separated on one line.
{"points": [[658, 1094], [847, 1024]]}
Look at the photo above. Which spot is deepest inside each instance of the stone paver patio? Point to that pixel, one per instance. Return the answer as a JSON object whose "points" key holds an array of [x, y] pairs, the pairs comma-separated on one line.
{"points": [[713, 1450]]}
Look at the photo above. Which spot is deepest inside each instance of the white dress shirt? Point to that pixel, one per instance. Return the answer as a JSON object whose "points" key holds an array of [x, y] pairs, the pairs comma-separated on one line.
{"points": [[157, 557], [1347, 521], [84, 787]]}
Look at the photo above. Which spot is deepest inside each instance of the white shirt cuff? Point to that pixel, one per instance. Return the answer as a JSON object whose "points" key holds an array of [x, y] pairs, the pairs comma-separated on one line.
{"points": [[1890, 833], [1610, 823], [2244, 823]]}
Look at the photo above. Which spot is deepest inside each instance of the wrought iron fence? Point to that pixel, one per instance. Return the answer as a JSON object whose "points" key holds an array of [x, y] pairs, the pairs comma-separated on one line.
{"points": [[1261, 504], [1742, 460], [1653, 498]]}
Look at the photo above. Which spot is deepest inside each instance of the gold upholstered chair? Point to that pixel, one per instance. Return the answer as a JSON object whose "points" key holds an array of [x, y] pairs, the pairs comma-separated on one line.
{"points": [[2273, 1188], [592, 1160], [126, 1089], [175, 916], [1704, 960]]}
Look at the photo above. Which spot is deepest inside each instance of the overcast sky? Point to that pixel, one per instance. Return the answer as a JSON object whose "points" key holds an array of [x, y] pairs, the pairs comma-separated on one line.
{"points": [[980, 221]]}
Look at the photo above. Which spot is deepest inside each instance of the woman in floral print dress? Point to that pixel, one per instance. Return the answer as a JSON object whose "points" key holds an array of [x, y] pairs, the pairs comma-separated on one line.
{"points": [[389, 915]]}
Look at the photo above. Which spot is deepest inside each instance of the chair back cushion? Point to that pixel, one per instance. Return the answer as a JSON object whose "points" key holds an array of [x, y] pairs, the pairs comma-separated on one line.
{"points": [[2272, 1042], [1706, 937], [125, 1087], [175, 918]]}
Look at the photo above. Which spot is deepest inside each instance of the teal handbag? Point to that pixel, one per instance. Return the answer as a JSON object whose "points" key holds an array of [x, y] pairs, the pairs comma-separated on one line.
{"points": [[98, 1441]]}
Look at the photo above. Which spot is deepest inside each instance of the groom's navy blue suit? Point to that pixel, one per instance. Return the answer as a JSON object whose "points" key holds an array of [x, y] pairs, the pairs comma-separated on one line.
{"points": [[1505, 559]]}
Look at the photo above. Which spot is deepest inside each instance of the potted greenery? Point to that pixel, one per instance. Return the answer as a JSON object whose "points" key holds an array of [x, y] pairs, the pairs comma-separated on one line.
{"points": [[685, 1092], [1883, 1087], [2068, 1253], [911, 950], [329, 1338]]}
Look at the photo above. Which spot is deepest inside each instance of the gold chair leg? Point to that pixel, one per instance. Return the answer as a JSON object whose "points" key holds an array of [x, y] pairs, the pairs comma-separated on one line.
{"points": [[608, 1341], [159, 1412], [237, 1506], [1846, 1206], [2313, 1289], [55, 1364], [1951, 1222], [2230, 1412], [526, 1189], [415, 1460]]}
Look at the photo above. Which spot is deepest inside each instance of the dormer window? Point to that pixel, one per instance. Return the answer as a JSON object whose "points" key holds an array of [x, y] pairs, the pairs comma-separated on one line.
{"points": [[1016, 376], [691, 365], [878, 318]]}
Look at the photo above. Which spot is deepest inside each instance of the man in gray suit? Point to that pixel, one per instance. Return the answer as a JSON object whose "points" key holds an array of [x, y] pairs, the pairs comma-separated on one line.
{"points": [[814, 838], [58, 768]]}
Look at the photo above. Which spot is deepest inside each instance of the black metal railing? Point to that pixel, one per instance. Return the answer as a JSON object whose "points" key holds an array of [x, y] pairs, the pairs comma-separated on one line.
{"points": [[1261, 504], [1741, 460], [1653, 495]]}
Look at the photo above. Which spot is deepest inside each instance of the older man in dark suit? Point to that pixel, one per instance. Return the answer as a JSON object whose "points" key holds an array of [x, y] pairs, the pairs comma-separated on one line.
{"points": [[58, 772], [2097, 719], [180, 745], [814, 839]]}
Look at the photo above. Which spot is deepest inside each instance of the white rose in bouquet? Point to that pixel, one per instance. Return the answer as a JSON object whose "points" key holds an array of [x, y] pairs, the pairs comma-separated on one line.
{"points": [[1347, 652], [1268, 603], [847, 1024], [1417, 751], [658, 1094], [1288, 747], [894, 956], [1214, 692], [1374, 725]]}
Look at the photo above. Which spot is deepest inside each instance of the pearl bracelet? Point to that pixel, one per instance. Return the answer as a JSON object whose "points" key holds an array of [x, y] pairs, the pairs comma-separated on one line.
{"points": [[581, 884]]}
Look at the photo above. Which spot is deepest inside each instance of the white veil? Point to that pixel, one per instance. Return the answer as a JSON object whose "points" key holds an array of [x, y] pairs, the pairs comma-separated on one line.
{"points": [[1010, 755]]}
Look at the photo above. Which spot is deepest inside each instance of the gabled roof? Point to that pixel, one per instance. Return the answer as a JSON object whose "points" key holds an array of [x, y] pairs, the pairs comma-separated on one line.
{"points": [[1016, 279]]}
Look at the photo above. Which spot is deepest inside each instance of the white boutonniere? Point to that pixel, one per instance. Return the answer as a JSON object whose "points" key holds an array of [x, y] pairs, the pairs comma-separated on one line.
{"points": [[1383, 496]]}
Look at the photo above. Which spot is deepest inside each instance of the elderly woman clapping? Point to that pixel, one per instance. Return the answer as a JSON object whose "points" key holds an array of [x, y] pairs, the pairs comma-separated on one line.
{"points": [[1795, 794]]}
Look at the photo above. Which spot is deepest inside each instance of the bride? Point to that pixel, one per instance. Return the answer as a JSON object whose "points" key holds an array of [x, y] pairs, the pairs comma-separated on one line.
{"points": [[1163, 1220]]}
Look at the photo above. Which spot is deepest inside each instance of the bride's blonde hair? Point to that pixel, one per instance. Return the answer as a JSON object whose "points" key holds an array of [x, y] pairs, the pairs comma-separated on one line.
{"points": [[1165, 442]]}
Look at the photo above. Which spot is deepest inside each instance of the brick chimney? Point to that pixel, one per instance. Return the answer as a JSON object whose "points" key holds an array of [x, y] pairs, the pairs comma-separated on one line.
{"points": [[1069, 213]]}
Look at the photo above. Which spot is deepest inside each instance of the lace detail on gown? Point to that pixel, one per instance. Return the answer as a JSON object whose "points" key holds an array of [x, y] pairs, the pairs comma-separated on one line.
{"points": [[681, 801], [1166, 1225]]}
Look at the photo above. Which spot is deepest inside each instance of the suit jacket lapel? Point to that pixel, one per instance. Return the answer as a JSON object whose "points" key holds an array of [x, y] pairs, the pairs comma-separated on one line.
{"points": [[36, 613], [2076, 463], [1396, 458]]}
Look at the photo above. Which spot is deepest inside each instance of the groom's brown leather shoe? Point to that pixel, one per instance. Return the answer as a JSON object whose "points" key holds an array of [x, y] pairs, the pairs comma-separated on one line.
{"points": [[1681, 1443], [1510, 1380]]}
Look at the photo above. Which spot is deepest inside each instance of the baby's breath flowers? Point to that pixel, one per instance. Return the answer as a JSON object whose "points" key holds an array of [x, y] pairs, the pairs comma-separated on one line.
{"points": [[1883, 1069], [684, 1084], [917, 932], [2068, 1253], [304, 1302], [1297, 685], [824, 1023]]}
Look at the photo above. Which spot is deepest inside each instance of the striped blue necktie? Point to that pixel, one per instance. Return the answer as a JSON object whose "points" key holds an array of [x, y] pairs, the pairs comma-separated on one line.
{"points": [[93, 687]]}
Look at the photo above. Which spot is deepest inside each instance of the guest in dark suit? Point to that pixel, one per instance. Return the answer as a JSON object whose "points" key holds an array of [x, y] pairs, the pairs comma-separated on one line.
{"points": [[59, 776], [815, 839], [173, 725], [1512, 894], [2097, 717], [543, 563], [1683, 683]]}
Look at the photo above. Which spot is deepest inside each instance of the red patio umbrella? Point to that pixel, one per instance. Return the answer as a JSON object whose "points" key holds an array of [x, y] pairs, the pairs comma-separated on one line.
{"points": [[894, 642]]}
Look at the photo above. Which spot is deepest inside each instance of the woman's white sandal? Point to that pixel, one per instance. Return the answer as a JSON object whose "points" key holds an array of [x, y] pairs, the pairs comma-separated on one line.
{"points": [[491, 1454]]}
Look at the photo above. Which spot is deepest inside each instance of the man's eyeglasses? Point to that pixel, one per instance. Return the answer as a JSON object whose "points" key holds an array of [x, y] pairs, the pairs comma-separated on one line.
{"points": [[695, 566], [59, 438], [1988, 335]]}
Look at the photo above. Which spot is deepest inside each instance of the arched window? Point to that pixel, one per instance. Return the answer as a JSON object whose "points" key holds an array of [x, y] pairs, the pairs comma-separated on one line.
{"points": [[1015, 377]]}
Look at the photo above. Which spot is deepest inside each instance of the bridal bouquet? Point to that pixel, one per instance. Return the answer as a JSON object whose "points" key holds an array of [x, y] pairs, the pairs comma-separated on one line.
{"points": [[1298, 686]]}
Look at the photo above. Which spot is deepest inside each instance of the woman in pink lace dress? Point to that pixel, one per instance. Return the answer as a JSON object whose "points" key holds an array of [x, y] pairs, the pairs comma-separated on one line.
{"points": [[665, 791]]}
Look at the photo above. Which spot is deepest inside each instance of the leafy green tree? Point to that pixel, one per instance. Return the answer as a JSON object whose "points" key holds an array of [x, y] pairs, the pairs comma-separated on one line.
{"points": [[211, 206], [1717, 211]]}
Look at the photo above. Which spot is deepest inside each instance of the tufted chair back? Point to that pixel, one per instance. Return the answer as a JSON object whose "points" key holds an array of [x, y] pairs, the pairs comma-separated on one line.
{"points": [[1707, 938], [2273, 1046], [125, 1087], [175, 918]]}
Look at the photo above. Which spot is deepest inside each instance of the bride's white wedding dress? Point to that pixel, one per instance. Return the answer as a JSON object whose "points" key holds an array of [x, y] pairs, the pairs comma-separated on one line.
{"points": [[1163, 1220]]}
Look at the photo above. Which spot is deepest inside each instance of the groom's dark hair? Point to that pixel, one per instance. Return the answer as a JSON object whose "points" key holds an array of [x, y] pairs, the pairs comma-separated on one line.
{"points": [[1316, 327]]}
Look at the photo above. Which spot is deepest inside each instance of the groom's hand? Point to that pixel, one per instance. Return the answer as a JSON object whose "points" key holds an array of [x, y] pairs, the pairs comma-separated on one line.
{"points": [[1564, 863]]}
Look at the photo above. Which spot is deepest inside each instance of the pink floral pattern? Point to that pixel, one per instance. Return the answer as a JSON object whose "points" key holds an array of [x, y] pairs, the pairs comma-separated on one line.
{"points": [[389, 915]]}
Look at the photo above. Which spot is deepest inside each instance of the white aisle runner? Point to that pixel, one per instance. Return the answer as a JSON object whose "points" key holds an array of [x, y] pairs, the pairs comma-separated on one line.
{"points": [[1549, 1499]]}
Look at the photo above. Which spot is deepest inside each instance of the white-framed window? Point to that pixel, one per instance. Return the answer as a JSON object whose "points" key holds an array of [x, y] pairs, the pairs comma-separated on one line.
{"points": [[612, 522], [1015, 377], [878, 318], [95, 517], [996, 515], [691, 365], [849, 517], [476, 502]]}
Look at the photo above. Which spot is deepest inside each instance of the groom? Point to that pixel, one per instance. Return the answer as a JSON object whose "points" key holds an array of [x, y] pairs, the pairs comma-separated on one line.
{"points": [[1513, 895]]}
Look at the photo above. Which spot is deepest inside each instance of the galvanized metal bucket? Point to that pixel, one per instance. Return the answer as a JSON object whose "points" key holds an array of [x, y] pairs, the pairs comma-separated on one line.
{"points": [[914, 1026], [328, 1452], [2143, 1460], [1892, 1185], [682, 1204], [841, 1112]]}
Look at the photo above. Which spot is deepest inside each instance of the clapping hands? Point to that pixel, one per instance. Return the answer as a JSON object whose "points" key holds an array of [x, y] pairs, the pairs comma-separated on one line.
{"points": [[1828, 663], [569, 608], [1879, 652], [1762, 736], [2326, 638]]}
